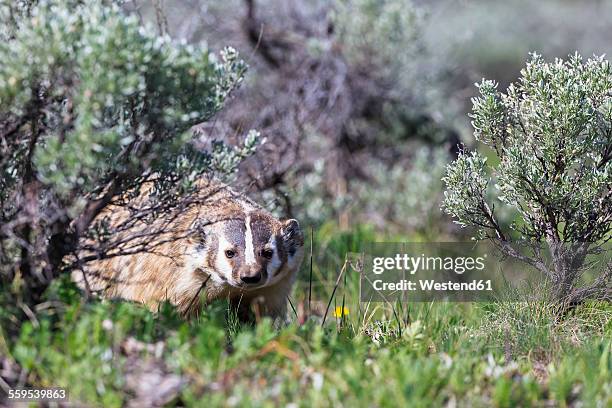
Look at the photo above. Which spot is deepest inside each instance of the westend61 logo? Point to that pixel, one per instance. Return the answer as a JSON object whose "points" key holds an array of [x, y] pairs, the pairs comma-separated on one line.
{"points": [[435, 271]]}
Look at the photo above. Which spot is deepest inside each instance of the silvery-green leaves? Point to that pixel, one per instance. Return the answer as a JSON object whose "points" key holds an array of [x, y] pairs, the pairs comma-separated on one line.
{"points": [[466, 201], [552, 132], [110, 91]]}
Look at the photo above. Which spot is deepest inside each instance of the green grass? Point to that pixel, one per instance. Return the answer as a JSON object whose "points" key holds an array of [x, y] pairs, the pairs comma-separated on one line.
{"points": [[432, 354]]}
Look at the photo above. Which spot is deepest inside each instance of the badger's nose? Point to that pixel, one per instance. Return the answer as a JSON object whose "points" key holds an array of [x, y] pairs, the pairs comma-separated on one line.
{"points": [[251, 278]]}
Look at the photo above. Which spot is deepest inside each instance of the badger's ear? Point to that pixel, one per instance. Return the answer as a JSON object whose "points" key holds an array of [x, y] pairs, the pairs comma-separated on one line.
{"points": [[293, 237]]}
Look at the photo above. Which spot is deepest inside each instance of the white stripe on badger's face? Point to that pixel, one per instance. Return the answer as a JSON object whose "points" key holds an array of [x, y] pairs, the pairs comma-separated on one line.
{"points": [[222, 264], [249, 249]]}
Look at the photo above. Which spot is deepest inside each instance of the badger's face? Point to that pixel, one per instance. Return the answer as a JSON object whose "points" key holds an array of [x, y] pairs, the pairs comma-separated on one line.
{"points": [[254, 251]]}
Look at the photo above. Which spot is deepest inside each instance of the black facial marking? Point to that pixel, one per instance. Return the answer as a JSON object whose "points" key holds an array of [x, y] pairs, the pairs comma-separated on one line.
{"points": [[261, 228], [282, 254], [234, 231]]}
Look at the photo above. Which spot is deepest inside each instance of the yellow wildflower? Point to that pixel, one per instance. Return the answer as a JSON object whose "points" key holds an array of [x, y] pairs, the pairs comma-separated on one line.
{"points": [[339, 312]]}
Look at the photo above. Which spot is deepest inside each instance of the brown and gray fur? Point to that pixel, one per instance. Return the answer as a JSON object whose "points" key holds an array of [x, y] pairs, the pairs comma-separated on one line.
{"points": [[222, 245]]}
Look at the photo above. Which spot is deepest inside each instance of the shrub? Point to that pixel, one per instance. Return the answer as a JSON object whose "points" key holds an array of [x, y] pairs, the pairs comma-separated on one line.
{"points": [[92, 105], [552, 134]]}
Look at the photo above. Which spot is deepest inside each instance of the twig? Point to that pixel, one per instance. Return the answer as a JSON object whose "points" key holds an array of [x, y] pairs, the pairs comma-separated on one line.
{"points": [[310, 278], [292, 307]]}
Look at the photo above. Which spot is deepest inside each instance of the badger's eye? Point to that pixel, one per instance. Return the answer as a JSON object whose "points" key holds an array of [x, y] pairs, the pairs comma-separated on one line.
{"points": [[230, 253], [267, 253]]}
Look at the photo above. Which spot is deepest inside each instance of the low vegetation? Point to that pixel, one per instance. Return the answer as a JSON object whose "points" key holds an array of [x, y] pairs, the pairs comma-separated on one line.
{"points": [[501, 354]]}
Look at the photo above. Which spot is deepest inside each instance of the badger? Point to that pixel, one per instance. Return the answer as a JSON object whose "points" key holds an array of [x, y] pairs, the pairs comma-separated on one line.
{"points": [[220, 245]]}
